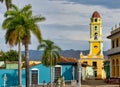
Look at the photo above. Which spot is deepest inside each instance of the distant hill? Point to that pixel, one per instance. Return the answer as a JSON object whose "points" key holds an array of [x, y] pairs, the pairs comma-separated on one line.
{"points": [[36, 55]]}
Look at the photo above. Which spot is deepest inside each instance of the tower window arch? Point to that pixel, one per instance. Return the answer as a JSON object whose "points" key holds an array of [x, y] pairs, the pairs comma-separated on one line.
{"points": [[95, 19], [95, 27], [96, 36]]}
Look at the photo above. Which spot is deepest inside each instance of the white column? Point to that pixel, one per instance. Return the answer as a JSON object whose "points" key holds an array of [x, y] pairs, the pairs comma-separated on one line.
{"points": [[90, 47], [79, 74], [73, 72]]}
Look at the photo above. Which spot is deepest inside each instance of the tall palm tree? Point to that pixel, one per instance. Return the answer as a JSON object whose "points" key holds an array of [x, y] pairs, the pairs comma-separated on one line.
{"points": [[14, 33], [8, 3], [21, 23], [50, 55], [30, 27]]}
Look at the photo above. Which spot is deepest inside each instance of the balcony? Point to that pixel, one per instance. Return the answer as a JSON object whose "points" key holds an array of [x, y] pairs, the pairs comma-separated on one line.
{"points": [[114, 51], [115, 30]]}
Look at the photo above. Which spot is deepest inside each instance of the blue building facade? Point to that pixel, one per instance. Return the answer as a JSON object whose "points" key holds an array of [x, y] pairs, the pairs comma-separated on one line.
{"points": [[39, 74]]}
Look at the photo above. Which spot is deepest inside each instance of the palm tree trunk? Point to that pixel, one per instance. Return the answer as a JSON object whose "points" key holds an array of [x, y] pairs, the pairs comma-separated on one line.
{"points": [[8, 4], [27, 65], [19, 66], [50, 76], [50, 70]]}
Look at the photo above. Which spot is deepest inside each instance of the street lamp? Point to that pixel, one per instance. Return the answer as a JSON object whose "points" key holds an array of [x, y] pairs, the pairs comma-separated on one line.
{"points": [[5, 79], [79, 73]]}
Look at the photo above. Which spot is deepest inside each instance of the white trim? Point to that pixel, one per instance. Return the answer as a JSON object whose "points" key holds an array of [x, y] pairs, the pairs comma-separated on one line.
{"points": [[34, 69], [73, 72], [90, 47], [101, 48], [100, 30], [31, 75], [58, 66]]}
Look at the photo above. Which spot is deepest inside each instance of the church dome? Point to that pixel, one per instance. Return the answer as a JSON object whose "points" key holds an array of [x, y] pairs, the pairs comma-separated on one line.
{"points": [[95, 15]]}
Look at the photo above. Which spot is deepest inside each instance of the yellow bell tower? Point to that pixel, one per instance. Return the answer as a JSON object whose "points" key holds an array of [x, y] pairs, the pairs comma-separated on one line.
{"points": [[94, 59], [96, 42]]}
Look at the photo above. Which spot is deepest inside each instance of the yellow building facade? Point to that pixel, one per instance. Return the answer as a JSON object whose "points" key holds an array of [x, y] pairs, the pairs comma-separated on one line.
{"points": [[95, 57], [114, 52]]}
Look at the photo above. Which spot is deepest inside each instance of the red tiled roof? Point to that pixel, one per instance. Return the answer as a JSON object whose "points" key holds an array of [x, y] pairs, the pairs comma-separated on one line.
{"points": [[64, 59], [95, 15]]}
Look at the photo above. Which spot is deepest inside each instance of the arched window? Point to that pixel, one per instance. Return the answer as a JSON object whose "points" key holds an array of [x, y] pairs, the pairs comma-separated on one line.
{"points": [[117, 68], [96, 20], [34, 76], [113, 44], [96, 36], [95, 27], [113, 67]]}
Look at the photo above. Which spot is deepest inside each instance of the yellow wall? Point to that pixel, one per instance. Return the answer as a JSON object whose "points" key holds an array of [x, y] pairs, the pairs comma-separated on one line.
{"points": [[34, 62], [95, 50], [90, 59], [115, 61]]}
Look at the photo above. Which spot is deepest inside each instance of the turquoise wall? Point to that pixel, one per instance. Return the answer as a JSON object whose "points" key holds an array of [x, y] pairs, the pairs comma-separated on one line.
{"points": [[12, 77], [67, 72], [44, 74]]}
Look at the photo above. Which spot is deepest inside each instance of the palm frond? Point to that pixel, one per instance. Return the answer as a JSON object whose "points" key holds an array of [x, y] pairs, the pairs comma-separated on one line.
{"points": [[26, 8], [38, 19], [10, 13], [7, 22], [41, 46], [35, 30], [55, 47], [14, 7], [10, 37]]}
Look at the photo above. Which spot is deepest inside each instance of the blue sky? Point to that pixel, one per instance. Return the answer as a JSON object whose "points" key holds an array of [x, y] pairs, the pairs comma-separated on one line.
{"points": [[67, 21]]}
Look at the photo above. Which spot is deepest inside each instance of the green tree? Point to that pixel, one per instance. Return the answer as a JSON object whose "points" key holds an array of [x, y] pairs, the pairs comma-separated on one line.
{"points": [[19, 25], [11, 55], [50, 55], [8, 3]]}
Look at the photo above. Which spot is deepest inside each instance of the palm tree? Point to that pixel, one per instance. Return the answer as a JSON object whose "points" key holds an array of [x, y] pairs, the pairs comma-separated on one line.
{"points": [[50, 55], [8, 3], [14, 33], [19, 24], [30, 27]]}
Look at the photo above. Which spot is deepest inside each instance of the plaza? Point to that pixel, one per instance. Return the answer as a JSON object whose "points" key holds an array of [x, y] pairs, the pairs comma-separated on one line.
{"points": [[91, 83]]}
